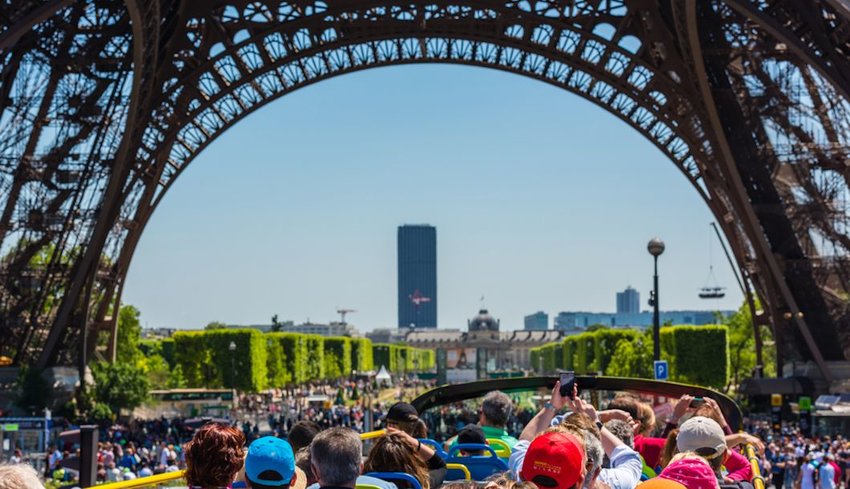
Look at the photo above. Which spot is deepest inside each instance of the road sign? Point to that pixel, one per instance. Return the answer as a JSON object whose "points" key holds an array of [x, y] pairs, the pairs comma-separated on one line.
{"points": [[661, 370], [776, 400], [10, 427], [805, 403]]}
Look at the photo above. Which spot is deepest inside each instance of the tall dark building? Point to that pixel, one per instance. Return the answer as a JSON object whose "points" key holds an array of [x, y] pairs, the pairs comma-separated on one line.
{"points": [[417, 276]]}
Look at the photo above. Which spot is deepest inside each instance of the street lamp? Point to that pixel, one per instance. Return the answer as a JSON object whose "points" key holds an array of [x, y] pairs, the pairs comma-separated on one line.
{"points": [[232, 348], [655, 248]]}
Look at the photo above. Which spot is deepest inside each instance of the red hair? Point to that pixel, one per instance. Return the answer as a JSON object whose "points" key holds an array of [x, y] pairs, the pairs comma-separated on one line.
{"points": [[214, 456]]}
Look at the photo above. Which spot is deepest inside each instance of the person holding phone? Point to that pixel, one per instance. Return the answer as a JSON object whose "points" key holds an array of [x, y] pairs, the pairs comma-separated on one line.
{"points": [[625, 469]]}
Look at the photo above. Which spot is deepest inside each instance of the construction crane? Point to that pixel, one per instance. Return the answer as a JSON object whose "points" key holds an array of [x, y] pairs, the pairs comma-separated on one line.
{"points": [[342, 313]]}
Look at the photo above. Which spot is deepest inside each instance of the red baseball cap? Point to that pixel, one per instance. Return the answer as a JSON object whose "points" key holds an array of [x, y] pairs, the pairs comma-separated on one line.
{"points": [[556, 458]]}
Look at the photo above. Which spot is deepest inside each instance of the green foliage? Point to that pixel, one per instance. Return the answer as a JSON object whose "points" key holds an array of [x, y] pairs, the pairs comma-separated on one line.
{"points": [[337, 357], [633, 358], [33, 390], [275, 361], [697, 354], [569, 345], [176, 380], [295, 356], [206, 359], [157, 371], [361, 355], [402, 358], [119, 385], [167, 347], [384, 356], [215, 325], [742, 346], [585, 353], [129, 335], [605, 344], [315, 357]]}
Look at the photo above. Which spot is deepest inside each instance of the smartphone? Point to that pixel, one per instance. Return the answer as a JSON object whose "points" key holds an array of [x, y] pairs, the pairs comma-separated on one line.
{"points": [[568, 382], [697, 402]]}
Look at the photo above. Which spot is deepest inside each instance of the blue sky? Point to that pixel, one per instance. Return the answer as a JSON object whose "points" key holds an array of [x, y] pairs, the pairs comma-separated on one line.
{"points": [[542, 201]]}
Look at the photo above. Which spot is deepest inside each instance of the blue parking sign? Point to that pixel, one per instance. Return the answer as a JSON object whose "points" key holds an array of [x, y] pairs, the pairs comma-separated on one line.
{"points": [[661, 370]]}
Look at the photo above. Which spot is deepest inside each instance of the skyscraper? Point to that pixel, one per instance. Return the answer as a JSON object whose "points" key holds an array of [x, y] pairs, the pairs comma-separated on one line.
{"points": [[417, 276], [628, 301]]}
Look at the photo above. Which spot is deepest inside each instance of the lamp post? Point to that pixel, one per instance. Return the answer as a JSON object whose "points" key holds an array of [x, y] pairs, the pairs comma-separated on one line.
{"points": [[232, 348], [655, 248]]}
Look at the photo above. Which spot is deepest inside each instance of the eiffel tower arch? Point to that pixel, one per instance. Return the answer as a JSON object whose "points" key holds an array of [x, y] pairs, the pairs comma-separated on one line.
{"points": [[104, 103]]}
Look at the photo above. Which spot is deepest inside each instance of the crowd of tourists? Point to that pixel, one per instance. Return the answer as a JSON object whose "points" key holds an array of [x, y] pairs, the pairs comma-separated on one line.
{"points": [[567, 444]]}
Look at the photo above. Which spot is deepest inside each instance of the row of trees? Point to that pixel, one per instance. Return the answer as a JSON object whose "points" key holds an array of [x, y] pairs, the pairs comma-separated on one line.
{"points": [[717, 356], [696, 354], [217, 357]]}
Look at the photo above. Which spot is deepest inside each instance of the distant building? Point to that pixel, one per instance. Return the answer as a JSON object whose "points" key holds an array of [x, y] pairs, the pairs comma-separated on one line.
{"points": [[417, 276], [539, 321], [628, 301], [157, 333], [387, 335], [332, 329], [483, 351], [579, 320]]}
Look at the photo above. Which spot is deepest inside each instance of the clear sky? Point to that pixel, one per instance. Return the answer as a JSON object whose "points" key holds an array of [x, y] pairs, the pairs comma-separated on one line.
{"points": [[542, 201]]}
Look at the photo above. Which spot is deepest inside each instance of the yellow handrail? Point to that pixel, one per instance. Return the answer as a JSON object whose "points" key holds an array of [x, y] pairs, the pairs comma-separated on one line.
{"points": [[172, 476], [501, 448], [372, 434], [143, 481], [461, 468], [758, 480]]}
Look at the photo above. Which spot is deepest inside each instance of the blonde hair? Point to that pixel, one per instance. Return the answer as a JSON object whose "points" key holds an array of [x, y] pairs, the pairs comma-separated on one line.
{"points": [[19, 476]]}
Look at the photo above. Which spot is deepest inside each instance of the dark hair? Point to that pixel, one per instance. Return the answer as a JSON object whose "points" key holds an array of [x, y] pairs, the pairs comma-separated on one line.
{"points": [[214, 455], [625, 403], [670, 448], [302, 433]]}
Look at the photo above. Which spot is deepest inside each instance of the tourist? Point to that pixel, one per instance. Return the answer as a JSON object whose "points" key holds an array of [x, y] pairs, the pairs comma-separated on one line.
{"points": [[691, 470], [705, 438], [496, 410], [270, 464], [214, 456], [554, 461], [337, 461], [394, 452], [471, 434], [302, 433]]}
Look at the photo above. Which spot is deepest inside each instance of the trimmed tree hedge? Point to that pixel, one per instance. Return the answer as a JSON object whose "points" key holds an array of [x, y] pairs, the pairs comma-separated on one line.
{"points": [[361, 355], [337, 357], [207, 361], [402, 358], [697, 354], [268, 360]]}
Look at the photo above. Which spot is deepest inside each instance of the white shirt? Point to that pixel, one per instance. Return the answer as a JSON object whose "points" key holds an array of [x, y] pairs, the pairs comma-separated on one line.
{"points": [[808, 480], [827, 475], [164, 456], [55, 457], [626, 467], [624, 472]]}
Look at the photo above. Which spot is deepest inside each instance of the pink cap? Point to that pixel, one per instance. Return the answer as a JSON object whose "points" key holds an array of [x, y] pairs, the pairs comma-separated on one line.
{"points": [[693, 473]]}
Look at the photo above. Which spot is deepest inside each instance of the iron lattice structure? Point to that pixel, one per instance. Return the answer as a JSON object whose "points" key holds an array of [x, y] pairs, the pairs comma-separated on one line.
{"points": [[104, 103]]}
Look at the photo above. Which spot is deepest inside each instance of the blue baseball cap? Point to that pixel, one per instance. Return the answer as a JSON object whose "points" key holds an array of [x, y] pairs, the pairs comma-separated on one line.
{"points": [[270, 453]]}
